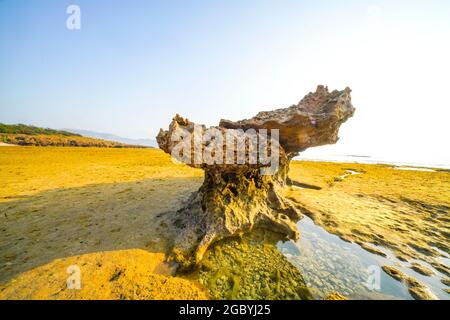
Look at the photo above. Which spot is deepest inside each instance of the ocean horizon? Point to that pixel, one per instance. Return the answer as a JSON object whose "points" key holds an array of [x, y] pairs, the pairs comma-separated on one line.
{"points": [[364, 159]]}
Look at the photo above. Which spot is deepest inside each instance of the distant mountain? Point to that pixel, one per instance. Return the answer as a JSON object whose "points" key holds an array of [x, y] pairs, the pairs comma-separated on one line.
{"points": [[112, 137]]}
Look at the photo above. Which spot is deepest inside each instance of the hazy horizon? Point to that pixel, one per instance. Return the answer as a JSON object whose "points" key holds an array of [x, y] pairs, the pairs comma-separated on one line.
{"points": [[132, 66]]}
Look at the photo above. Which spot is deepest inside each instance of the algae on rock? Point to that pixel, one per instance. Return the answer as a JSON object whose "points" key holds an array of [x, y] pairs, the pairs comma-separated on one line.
{"points": [[251, 267]]}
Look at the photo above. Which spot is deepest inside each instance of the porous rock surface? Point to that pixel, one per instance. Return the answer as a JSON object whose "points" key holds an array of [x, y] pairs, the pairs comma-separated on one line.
{"points": [[236, 197]]}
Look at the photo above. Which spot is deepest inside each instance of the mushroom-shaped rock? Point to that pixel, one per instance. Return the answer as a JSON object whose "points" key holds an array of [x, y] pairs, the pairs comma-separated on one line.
{"points": [[246, 165]]}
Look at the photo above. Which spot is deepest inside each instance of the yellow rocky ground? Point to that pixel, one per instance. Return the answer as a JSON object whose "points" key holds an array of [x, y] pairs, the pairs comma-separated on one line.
{"points": [[60, 202], [94, 206], [403, 210], [124, 274]]}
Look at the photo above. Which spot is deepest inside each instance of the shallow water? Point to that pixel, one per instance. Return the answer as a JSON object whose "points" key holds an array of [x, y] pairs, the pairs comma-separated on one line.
{"points": [[414, 169], [349, 173], [330, 264]]}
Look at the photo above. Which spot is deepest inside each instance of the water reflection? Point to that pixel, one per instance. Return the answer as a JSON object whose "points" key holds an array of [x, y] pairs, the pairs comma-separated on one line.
{"points": [[330, 264]]}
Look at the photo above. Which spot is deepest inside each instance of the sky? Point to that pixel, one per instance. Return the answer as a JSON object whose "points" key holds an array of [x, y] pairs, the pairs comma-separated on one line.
{"points": [[134, 64]]}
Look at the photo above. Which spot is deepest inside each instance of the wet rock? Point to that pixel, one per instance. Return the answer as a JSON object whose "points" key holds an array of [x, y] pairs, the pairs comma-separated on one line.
{"points": [[446, 281], [417, 290], [335, 296], [442, 268], [373, 250], [421, 269], [264, 274]]}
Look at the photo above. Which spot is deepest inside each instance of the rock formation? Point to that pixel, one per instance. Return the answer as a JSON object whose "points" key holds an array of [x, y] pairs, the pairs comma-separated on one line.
{"points": [[237, 194]]}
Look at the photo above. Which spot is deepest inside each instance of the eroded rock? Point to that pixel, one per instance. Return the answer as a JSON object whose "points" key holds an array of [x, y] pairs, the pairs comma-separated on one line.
{"points": [[422, 269], [417, 289], [237, 194], [446, 281]]}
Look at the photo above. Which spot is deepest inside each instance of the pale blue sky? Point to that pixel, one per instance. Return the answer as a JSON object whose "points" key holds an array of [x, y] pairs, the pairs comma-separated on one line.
{"points": [[134, 64]]}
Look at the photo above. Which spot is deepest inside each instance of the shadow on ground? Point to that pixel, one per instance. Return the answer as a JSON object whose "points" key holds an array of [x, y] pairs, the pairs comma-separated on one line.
{"points": [[104, 217], [303, 185]]}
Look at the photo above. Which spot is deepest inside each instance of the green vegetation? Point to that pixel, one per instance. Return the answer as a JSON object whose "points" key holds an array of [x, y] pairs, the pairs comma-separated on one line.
{"points": [[24, 135], [32, 130]]}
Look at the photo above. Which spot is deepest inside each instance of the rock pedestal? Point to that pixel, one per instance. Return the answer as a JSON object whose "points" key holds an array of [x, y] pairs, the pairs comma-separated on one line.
{"points": [[238, 192]]}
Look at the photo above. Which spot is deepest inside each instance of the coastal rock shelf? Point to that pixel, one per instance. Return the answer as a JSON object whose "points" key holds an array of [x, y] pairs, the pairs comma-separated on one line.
{"points": [[236, 197]]}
